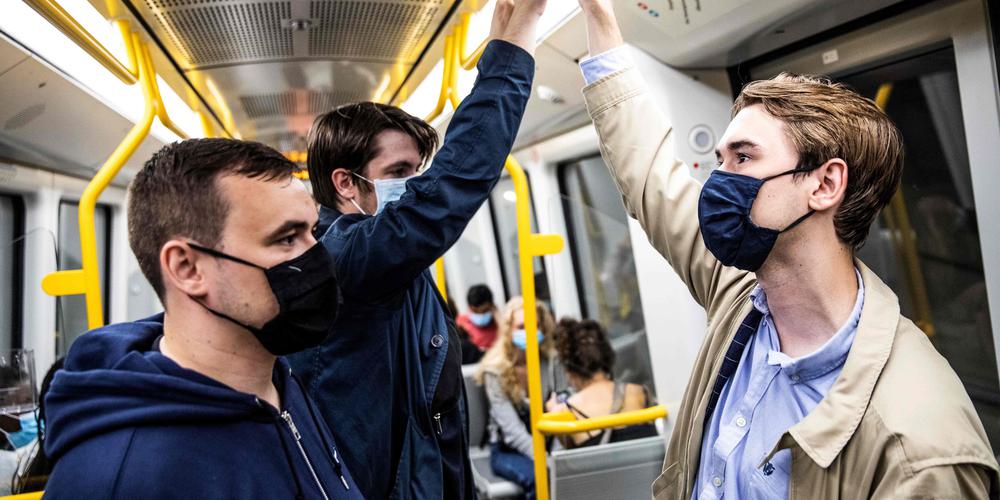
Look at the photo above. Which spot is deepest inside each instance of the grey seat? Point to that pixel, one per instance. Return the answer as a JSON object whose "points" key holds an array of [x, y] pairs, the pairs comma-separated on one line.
{"points": [[488, 485], [622, 470]]}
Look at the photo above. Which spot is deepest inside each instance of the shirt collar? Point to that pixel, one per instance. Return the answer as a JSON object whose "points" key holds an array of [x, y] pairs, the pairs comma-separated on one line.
{"points": [[823, 360]]}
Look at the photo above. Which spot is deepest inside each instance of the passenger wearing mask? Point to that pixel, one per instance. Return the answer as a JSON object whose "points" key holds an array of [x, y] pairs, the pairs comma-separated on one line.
{"points": [[589, 360], [470, 352], [809, 384], [480, 321], [503, 373], [196, 402], [391, 377]]}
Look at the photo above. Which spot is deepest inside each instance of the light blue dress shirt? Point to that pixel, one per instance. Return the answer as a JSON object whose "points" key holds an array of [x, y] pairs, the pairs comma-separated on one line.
{"points": [[769, 393]]}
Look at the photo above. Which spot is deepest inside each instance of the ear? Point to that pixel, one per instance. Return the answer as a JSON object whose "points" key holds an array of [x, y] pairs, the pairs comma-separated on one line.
{"points": [[829, 192], [344, 182], [180, 268]]}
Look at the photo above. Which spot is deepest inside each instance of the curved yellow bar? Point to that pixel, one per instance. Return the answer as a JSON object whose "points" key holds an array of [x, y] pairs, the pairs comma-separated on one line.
{"points": [[35, 495], [462, 32], [449, 47], [439, 277], [161, 109], [64, 22], [566, 423]]}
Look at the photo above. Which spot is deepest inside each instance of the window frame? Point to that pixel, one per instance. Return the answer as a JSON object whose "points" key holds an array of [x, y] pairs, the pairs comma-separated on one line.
{"points": [[108, 252], [497, 237], [17, 274]]}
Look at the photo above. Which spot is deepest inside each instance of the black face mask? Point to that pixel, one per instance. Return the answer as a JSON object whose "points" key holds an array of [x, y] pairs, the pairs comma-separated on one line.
{"points": [[308, 300]]}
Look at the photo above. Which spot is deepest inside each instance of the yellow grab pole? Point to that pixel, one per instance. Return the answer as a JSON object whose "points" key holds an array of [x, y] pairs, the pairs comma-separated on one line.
{"points": [[34, 495], [898, 216], [565, 422], [161, 109], [64, 22], [439, 278], [468, 62], [88, 280], [530, 246]]}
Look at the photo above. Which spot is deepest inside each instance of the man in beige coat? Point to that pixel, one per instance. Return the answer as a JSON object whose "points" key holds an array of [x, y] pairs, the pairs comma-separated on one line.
{"points": [[887, 417]]}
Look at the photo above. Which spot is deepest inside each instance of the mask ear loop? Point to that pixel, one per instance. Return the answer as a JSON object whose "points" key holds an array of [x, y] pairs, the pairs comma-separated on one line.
{"points": [[369, 181], [215, 253], [796, 170]]}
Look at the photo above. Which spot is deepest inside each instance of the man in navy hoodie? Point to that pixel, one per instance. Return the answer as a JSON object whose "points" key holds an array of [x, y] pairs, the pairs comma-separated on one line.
{"points": [[195, 402]]}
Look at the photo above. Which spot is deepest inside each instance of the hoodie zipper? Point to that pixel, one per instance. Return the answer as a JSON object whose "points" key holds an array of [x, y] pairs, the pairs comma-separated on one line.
{"points": [[437, 420], [298, 441]]}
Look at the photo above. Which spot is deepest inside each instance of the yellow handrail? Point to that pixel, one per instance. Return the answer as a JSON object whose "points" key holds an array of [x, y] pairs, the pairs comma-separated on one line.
{"points": [[899, 221], [63, 21], [462, 33], [87, 281], [34, 495], [530, 246], [565, 422]]}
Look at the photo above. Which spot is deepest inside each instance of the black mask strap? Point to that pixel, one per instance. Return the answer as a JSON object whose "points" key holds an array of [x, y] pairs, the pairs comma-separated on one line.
{"points": [[227, 317], [216, 253], [796, 170], [797, 221]]}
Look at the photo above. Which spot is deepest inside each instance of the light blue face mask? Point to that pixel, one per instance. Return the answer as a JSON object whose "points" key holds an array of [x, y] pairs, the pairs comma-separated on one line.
{"points": [[386, 190], [481, 319], [520, 338], [28, 432]]}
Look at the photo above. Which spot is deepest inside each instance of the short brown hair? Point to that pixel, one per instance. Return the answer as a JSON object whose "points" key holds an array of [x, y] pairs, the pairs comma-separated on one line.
{"points": [[345, 138], [584, 348], [829, 120], [175, 194]]}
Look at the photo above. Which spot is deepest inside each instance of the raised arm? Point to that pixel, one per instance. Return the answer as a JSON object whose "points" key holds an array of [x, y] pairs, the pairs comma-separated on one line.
{"points": [[637, 143], [389, 250]]}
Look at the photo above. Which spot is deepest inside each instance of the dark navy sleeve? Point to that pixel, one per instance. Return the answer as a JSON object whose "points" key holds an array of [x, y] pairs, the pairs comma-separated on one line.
{"points": [[388, 251]]}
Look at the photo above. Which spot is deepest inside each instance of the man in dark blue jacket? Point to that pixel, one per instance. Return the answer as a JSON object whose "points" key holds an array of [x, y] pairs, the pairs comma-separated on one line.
{"points": [[389, 379], [196, 403]]}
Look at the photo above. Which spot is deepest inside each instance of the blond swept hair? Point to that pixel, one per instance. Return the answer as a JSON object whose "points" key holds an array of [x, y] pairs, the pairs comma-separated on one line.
{"points": [[826, 120], [501, 358]]}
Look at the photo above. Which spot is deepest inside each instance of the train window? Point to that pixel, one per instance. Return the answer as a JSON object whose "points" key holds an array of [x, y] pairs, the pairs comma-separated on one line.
{"points": [[925, 244], [604, 264], [11, 266], [504, 211], [71, 315]]}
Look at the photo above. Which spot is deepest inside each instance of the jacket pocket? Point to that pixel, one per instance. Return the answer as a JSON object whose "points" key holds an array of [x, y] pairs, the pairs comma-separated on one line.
{"points": [[667, 482]]}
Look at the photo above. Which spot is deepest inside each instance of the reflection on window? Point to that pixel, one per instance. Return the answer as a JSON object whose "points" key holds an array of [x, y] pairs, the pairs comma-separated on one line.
{"points": [[502, 203], [465, 265], [11, 254], [71, 315], [925, 244], [604, 263]]}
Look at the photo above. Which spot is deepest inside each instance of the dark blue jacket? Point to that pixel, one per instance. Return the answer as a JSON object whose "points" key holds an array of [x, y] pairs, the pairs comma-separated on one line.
{"points": [[126, 422], [379, 374]]}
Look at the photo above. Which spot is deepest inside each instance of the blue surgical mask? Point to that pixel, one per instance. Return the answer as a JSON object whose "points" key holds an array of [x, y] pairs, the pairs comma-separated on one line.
{"points": [[724, 217], [481, 319], [520, 338], [28, 432], [386, 191]]}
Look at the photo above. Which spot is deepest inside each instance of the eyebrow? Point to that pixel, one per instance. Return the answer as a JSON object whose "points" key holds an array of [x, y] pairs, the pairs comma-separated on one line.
{"points": [[287, 226], [738, 145]]}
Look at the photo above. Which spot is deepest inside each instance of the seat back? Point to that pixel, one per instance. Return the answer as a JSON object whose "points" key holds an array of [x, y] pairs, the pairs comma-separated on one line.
{"points": [[479, 409], [616, 470]]}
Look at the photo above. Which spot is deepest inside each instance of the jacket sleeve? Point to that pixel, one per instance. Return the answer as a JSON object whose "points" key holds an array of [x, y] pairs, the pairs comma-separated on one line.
{"points": [[502, 411], [955, 481], [637, 144], [387, 251]]}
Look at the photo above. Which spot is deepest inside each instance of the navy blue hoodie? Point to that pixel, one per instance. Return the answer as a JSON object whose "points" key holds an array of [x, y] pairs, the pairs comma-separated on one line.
{"points": [[124, 421]]}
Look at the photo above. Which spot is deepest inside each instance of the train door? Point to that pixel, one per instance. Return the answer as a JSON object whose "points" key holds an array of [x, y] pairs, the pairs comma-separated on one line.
{"points": [[936, 243]]}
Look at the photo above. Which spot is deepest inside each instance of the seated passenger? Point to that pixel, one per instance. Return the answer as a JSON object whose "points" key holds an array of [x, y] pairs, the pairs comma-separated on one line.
{"points": [[589, 360], [479, 321], [503, 372], [470, 352], [196, 402]]}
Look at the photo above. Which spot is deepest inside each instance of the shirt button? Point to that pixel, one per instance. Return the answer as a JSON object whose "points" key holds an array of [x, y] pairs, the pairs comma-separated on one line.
{"points": [[741, 422], [717, 481], [437, 340], [794, 377]]}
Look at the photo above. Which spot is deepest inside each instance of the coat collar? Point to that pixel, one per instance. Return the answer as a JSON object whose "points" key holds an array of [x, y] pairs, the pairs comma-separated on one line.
{"points": [[824, 432]]}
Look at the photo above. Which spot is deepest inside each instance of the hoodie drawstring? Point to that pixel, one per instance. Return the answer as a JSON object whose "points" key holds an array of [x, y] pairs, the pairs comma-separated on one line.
{"points": [[291, 466], [337, 466]]}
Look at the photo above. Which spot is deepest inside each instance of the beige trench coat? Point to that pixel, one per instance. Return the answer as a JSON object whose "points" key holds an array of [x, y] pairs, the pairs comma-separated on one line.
{"points": [[897, 423]]}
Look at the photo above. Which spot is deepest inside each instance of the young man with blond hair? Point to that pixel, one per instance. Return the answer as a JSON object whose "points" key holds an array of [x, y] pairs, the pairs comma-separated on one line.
{"points": [[809, 384]]}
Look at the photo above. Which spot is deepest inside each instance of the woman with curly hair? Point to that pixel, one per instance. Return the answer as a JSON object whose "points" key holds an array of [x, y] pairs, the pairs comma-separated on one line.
{"points": [[589, 359], [503, 372]]}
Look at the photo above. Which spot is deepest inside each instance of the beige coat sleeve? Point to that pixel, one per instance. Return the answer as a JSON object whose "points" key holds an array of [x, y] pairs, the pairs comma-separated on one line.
{"points": [[958, 482], [658, 190]]}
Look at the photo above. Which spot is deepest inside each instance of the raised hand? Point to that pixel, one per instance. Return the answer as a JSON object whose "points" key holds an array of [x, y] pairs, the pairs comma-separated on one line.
{"points": [[603, 33], [516, 21]]}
